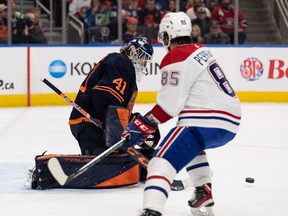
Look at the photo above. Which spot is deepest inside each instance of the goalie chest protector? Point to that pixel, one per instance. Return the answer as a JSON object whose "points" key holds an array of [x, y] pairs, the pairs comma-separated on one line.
{"points": [[115, 170]]}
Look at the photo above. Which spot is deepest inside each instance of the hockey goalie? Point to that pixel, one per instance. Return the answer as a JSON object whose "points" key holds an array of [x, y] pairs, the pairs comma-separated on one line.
{"points": [[117, 169]]}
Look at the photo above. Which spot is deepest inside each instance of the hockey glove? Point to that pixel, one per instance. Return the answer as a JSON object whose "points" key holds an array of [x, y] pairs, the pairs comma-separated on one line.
{"points": [[138, 131], [152, 140]]}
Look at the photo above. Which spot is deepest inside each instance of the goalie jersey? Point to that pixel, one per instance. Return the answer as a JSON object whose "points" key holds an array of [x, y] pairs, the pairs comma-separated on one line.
{"points": [[111, 82], [198, 91]]}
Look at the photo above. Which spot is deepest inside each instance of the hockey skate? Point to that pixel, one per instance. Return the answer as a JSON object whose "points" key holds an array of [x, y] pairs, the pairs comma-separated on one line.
{"points": [[202, 202], [149, 212], [29, 180]]}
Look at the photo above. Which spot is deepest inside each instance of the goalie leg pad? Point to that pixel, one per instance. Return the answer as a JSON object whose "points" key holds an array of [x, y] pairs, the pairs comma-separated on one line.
{"points": [[115, 170], [116, 120]]}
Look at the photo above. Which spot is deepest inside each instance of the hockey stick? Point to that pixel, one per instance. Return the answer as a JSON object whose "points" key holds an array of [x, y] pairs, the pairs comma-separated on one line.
{"points": [[58, 173], [136, 155], [176, 185], [76, 106]]}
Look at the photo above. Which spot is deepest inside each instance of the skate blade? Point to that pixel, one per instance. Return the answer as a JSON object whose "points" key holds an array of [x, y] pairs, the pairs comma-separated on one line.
{"points": [[202, 211]]}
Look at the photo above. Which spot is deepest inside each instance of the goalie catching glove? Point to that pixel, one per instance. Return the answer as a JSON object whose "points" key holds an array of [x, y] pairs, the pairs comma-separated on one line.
{"points": [[138, 131]]}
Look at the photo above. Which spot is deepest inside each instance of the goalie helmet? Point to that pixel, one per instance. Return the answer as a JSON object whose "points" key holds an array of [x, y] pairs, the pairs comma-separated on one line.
{"points": [[140, 52], [176, 24]]}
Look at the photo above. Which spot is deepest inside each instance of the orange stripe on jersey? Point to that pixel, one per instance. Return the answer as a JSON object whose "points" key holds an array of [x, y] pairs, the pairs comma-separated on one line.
{"points": [[112, 91], [84, 88], [80, 120]]}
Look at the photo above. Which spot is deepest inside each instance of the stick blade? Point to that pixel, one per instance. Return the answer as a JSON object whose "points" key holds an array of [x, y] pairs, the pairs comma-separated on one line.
{"points": [[56, 170]]}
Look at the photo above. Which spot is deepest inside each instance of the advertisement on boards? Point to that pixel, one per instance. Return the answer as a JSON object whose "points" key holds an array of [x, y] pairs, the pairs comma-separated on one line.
{"points": [[262, 69], [13, 74], [67, 67]]}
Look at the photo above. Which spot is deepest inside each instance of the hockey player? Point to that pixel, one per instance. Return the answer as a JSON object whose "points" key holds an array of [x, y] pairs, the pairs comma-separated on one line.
{"points": [[112, 82], [196, 90]]}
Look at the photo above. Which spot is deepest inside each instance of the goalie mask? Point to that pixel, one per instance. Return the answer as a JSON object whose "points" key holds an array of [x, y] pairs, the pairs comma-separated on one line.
{"points": [[140, 52], [174, 25]]}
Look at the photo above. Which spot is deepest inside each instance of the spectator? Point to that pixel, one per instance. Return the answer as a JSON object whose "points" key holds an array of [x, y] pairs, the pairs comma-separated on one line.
{"points": [[26, 33], [37, 22], [79, 7], [76, 5], [196, 34], [131, 32], [192, 11], [210, 4], [216, 36], [159, 4], [3, 24], [149, 15], [15, 14], [130, 6], [96, 17], [149, 19], [224, 14], [202, 20], [97, 14], [113, 26], [134, 4], [171, 7]]}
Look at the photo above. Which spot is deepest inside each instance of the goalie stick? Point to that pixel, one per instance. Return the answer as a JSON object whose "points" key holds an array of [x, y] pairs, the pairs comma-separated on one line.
{"points": [[58, 173]]}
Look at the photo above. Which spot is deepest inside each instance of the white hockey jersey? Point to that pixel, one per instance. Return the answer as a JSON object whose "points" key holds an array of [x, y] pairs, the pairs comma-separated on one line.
{"points": [[195, 89]]}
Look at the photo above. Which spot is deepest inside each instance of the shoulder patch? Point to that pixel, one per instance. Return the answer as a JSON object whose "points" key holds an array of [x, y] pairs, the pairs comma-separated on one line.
{"points": [[179, 54]]}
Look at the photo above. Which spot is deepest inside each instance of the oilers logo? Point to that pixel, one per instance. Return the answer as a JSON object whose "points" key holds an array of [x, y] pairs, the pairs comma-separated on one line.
{"points": [[251, 69], [57, 69]]}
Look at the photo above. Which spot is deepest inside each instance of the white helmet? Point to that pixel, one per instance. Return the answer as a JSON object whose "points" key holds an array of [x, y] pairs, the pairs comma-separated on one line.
{"points": [[176, 24]]}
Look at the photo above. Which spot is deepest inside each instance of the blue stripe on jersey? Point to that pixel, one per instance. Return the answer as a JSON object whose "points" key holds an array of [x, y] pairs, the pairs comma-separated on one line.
{"points": [[157, 188], [197, 166], [209, 117]]}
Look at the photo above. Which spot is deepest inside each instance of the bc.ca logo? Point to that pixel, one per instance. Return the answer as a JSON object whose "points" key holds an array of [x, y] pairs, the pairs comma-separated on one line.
{"points": [[251, 69], [57, 69]]}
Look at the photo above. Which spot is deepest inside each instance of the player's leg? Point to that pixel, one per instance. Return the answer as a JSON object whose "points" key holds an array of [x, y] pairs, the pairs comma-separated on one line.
{"points": [[90, 138], [200, 173], [176, 150]]}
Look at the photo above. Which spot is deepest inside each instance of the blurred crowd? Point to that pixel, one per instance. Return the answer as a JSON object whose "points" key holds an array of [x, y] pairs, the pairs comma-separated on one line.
{"points": [[26, 28], [212, 20]]}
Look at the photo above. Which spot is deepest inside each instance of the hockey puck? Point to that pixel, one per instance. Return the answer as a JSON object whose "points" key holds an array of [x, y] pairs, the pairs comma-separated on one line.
{"points": [[250, 180]]}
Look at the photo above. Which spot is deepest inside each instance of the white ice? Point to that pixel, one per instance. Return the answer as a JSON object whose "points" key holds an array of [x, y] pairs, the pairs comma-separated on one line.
{"points": [[260, 150]]}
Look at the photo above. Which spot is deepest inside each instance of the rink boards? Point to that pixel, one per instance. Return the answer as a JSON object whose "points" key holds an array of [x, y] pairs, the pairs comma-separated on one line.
{"points": [[258, 74]]}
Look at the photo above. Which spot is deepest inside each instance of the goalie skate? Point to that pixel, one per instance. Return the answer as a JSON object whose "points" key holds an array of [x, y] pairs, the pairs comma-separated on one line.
{"points": [[29, 180]]}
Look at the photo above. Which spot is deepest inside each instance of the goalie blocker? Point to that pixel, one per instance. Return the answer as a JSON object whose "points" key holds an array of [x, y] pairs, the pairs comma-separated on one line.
{"points": [[115, 170]]}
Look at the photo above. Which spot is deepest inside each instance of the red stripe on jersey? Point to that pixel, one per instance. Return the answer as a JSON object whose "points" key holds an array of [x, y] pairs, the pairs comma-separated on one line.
{"points": [[170, 140], [158, 177], [179, 54], [160, 114]]}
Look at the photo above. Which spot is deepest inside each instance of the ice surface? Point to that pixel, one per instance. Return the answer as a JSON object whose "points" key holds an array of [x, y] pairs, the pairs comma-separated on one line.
{"points": [[260, 150]]}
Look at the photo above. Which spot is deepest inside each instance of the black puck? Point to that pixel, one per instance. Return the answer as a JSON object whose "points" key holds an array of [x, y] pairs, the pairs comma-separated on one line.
{"points": [[250, 180]]}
